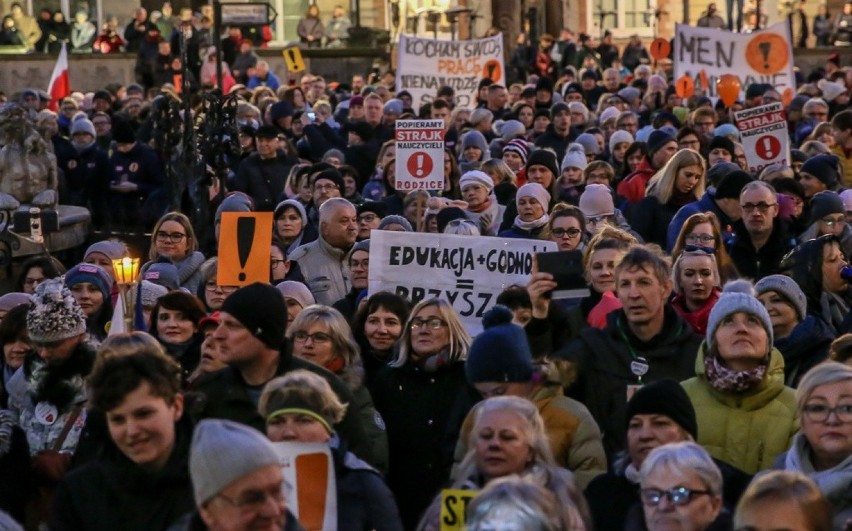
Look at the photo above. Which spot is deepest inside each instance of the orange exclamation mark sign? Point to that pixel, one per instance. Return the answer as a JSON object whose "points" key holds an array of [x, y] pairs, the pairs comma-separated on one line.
{"points": [[244, 249]]}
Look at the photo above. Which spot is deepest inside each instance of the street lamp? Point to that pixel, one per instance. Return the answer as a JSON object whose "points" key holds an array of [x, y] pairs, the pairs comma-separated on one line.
{"points": [[126, 274]]}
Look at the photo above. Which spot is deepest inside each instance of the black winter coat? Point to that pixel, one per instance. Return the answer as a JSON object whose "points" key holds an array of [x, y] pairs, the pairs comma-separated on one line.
{"points": [[756, 264], [651, 219], [364, 501], [14, 466], [806, 346], [87, 175], [558, 143], [263, 179]]}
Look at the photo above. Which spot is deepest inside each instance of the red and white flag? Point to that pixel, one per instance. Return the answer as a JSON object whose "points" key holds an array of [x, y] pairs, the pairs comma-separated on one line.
{"points": [[60, 86]]}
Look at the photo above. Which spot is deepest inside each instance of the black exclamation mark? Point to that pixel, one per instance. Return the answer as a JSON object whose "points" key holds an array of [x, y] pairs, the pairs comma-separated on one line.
{"points": [[765, 48], [491, 67], [292, 55], [245, 238]]}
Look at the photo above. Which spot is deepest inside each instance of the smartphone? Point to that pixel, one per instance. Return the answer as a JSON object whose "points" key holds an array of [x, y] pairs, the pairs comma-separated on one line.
{"points": [[567, 270], [312, 115]]}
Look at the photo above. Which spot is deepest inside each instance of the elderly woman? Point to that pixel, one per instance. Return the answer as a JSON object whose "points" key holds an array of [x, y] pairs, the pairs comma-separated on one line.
{"points": [[297, 297], [301, 407], [423, 397], [173, 240], [508, 438], [377, 327], [783, 500], [803, 339], [696, 282], [322, 336], [739, 387], [291, 228], [531, 201], [823, 449], [483, 209]]}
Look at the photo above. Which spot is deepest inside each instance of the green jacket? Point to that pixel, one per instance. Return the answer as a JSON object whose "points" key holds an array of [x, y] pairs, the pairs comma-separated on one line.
{"points": [[747, 430]]}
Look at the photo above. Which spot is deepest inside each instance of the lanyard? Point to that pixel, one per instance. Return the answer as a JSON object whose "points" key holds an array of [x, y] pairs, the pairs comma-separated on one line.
{"points": [[639, 366]]}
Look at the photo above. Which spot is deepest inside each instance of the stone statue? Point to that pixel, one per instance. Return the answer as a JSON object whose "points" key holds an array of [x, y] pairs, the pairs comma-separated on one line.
{"points": [[27, 166]]}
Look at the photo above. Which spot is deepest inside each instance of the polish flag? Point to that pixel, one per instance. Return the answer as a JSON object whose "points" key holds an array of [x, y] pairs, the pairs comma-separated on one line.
{"points": [[60, 86]]}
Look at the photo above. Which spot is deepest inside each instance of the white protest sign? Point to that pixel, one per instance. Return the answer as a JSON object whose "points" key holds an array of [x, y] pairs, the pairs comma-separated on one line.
{"points": [[765, 56], [763, 132], [467, 271], [310, 486], [419, 155], [425, 65]]}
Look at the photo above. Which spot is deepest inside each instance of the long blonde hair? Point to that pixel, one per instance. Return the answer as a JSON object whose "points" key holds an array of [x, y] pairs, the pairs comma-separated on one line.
{"points": [[662, 184], [459, 339]]}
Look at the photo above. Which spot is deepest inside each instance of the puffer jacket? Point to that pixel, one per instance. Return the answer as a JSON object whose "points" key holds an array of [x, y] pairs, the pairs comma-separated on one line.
{"points": [[747, 430]]}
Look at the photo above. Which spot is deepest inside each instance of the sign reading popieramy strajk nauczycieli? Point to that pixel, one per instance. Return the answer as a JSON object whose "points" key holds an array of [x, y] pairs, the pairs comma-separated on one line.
{"points": [[467, 271], [764, 56], [425, 65], [419, 155], [763, 132]]}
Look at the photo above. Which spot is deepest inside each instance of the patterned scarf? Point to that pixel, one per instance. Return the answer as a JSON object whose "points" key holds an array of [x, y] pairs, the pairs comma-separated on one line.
{"points": [[727, 380], [435, 362]]}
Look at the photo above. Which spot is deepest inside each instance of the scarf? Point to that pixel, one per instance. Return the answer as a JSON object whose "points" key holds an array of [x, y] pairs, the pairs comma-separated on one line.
{"points": [[833, 309], [61, 384], [835, 483], [336, 365], [80, 148], [727, 380], [434, 362], [531, 225]]}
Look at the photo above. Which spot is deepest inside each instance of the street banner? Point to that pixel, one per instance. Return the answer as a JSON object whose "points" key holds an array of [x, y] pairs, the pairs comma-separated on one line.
{"points": [[764, 56], [425, 65], [419, 155], [469, 272], [310, 486], [763, 133], [454, 504]]}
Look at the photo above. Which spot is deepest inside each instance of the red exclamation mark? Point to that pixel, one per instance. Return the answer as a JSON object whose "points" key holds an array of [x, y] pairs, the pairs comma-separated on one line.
{"points": [[419, 171], [767, 144]]}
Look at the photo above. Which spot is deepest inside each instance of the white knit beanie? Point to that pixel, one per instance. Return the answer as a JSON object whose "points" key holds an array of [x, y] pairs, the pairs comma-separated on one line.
{"points": [[536, 191], [619, 137], [596, 200], [476, 177], [575, 157]]}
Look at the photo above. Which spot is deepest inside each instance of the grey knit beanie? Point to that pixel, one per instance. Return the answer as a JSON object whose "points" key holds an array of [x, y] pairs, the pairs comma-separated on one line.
{"points": [[395, 220], [738, 296], [787, 288], [222, 452], [54, 314]]}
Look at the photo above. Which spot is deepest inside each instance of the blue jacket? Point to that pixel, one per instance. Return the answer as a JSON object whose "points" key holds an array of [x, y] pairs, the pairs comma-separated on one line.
{"points": [[707, 203]]}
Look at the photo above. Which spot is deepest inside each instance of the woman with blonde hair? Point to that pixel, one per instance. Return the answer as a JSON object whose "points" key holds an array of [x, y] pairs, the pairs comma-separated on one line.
{"points": [[516, 503], [697, 285], [783, 500], [681, 181], [173, 241], [423, 396], [505, 180]]}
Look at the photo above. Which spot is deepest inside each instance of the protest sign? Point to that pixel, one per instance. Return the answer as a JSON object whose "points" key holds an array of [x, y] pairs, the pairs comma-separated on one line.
{"points": [[419, 155], [764, 56], [454, 504], [763, 132], [310, 486], [244, 250], [468, 272], [425, 65]]}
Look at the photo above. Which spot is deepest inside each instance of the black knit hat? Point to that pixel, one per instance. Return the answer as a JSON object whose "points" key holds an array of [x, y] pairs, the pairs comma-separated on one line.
{"points": [[122, 132], [824, 167], [657, 139], [732, 184], [330, 174], [721, 142], [446, 215], [378, 208], [825, 204], [543, 157], [501, 352], [664, 397], [260, 308]]}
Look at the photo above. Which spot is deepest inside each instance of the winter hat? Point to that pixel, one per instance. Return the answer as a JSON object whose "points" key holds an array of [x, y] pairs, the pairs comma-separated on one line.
{"points": [[479, 115], [658, 139], [330, 174], [10, 300], [511, 129], [476, 177], [589, 143], [122, 132], [474, 138], [520, 147], [737, 296], [731, 185], [536, 191], [150, 293], [222, 452], [629, 94], [756, 89], [112, 249], [268, 325], [575, 157], [446, 215], [823, 167], [727, 130], [91, 273], [664, 397], [830, 89], [610, 113], [722, 142], [394, 106], [824, 204], [556, 108], [281, 109], [644, 133], [798, 103], [787, 288], [846, 197], [596, 200], [500, 353], [164, 274], [296, 291], [543, 157], [292, 203], [54, 314], [234, 202], [619, 137], [267, 131], [83, 126], [378, 208], [395, 220]]}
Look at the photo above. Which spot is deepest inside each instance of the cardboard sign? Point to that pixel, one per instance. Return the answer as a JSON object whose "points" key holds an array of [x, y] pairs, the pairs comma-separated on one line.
{"points": [[454, 504], [466, 271], [764, 56], [310, 486], [763, 132], [293, 58], [419, 155], [245, 242], [425, 65]]}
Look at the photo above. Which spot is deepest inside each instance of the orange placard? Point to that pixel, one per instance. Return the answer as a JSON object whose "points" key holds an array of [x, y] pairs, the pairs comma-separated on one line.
{"points": [[493, 71], [660, 48], [787, 96], [685, 86], [767, 53], [244, 248], [312, 470]]}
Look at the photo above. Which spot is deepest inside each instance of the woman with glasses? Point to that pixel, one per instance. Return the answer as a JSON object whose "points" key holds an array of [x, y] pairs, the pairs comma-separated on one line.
{"points": [[36, 270], [823, 449], [321, 335], [175, 324], [783, 500], [173, 241], [702, 230], [696, 282], [828, 216], [210, 293], [423, 396], [567, 227], [681, 181]]}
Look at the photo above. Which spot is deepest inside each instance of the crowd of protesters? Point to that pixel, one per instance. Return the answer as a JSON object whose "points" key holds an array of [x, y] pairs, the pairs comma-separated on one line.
{"points": [[705, 382]]}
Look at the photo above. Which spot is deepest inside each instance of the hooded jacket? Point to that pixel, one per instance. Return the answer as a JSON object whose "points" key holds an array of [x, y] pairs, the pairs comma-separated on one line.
{"points": [[746, 430], [632, 188], [806, 346]]}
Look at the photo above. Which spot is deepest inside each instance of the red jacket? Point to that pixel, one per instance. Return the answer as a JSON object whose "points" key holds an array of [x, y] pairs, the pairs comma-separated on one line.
{"points": [[633, 186]]}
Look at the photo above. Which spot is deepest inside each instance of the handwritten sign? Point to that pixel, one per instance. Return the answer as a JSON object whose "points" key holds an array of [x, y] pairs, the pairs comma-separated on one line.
{"points": [[425, 65], [466, 271], [763, 131]]}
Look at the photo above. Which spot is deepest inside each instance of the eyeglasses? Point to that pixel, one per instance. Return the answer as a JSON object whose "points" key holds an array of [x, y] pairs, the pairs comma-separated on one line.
{"points": [[571, 232], [433, 323], [212, 286], [367, 218], [173, 237], [255, 499], [316, 337], [594, 220], [834, 221], [763, 208], [700, 238], [821, 412], [677, 495]]}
